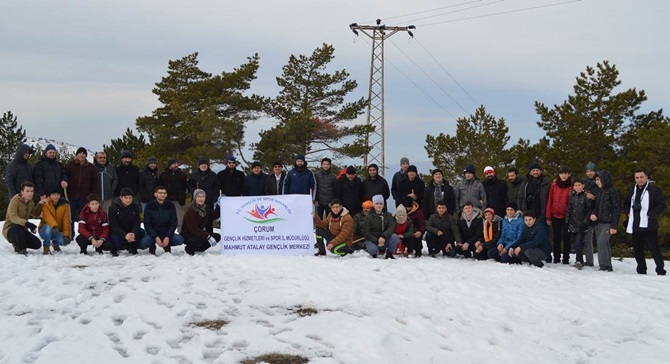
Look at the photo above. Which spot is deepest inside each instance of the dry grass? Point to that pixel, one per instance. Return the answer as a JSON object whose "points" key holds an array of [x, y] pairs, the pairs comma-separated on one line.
{"points": [[277, 358], [213, 325]]}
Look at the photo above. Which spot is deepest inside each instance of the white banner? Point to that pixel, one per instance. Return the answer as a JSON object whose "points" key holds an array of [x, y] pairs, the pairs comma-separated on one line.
{"points": [[267, 225]]}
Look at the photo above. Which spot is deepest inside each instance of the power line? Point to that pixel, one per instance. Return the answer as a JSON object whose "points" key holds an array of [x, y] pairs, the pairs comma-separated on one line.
{"points": [[501, 13], [428, 11], [454, 11]]}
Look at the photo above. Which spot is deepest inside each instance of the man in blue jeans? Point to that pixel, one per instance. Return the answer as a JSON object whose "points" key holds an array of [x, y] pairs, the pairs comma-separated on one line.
{"points": [[378, 230], [160, 223]]}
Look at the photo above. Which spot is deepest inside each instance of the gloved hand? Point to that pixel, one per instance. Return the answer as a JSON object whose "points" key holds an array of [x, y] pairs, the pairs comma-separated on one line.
{"points": [[212, 241], [30, 226], [66, 240]]}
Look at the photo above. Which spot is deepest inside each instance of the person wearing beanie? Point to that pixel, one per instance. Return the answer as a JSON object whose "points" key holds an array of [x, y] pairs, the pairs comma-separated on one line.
{"points": [[438, 189], [515, 182], [149, 180], [492, 225], [231, 180], [415, 242], [300, 180], [496, 191], [404, 230], [128, 176], [275, 181], [397, 178], [49, 172], [378, 230], [197, 230], [375, 184], [124, 222], [205, 179], [349, 190], [326, 180], [254, 182], [336, 231], [411, 186], [469, 189], [160, 223], [175, 182], [107, 180], [55, 228], [534, 192], [82, 179], [18, 170], [556, 211], [366, 208]]}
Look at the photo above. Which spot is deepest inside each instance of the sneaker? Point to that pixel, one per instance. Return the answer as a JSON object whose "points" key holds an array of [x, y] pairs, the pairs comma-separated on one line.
{"points": [[22, 252], [46, 250], [189, 251], [661, 272], [82, 250], [115, 253], [132, 250], [579, 265], [56, 247], [389, 255]]}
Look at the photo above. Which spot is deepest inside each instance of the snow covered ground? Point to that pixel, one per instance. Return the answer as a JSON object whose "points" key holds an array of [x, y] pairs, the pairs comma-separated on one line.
{"points": [[69, 308]]}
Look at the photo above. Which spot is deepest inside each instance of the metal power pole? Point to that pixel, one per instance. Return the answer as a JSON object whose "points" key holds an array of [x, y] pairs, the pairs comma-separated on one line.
{"points": [[375, 140]]}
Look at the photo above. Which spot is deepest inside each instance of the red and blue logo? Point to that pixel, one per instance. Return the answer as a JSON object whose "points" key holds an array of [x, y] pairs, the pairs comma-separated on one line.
{"points": [[261, 215]]}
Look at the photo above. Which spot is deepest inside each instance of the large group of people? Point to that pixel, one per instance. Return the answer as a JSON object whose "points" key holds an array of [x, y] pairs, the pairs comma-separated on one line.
{"points": [[527, 218]]}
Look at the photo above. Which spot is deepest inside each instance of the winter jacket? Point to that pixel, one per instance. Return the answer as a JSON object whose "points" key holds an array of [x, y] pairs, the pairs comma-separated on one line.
{"points": [[299, 181], [377, 186], [513, 188], [147, 184], [405, 187], [378, 225], [496, 230], [447, 195], [107, 179], [160, 219], [175, 183], [326, 181], [358, 225], [579, 211], [273, 186], [534, 237], [559, 196], [57, 216], [469, 190], [511, 229], [395, 185], [93, 225], [404, 230], [526, 202], [18, 170], [350, 193], [231, 181], [128, 176], [475, 231], [608, 202], [496, 194], [196, 226], [18, 213], [418, 219], [207, 181], [124, 219], [446, 224], [48, 173], [341, 227], [254, 184], [656, 207], [82, 180]]}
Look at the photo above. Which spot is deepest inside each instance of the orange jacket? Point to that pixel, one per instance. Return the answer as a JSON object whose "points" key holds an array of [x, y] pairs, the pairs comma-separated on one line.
{"points": [[57, 215], [342, 228]]}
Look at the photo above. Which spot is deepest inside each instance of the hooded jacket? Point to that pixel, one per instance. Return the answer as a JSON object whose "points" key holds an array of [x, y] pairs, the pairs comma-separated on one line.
{"points": [[107, 179], [148, 183], [511, 229], [57, 215], [326, 181], [48, 173], [473, 232], [378, 225], [608, 202], [470, 190], [124, 219], [207, 181], [175, 183], [429, 202], [254, 184], [18, 170], [83, 180], [273, 186], [18, 213], [341, 227], [160, 219], [299, 181], [418, 218], [93, 224]]}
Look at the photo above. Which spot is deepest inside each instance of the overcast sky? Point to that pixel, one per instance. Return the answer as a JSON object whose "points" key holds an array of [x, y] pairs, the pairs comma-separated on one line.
{"points": [[82, 71]]}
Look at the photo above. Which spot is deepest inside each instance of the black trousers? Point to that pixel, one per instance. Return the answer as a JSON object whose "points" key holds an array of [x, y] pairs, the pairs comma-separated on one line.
{"points": [[414, 245], [196, 244], [650, 239], [22, 238], [106, 245], [560, 234]]}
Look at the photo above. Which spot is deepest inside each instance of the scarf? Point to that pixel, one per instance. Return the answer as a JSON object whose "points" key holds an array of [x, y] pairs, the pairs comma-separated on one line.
{"points": [[644, 203], [488, 231], [200, 209]]}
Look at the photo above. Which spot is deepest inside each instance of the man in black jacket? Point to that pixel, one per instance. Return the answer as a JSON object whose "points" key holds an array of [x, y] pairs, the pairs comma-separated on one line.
{"points": [[496, 191], [349, 190], [231, 179], [606, 213], [644, 204], [438, 190], [148, 181], [255, 182], [275, 181], [128, 176], [174, 181], [124, 223], [18, 170], [375, 185], [203, 178], [49, 172], [160, 222]]}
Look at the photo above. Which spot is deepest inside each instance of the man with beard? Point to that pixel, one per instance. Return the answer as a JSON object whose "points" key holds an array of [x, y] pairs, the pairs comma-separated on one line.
{"points": [[18, 170], [349, 190], [107, 178], [205, 179], [254, 182], [534, 192], [49, 172], [411, 186], [174, 181], [326, 181], [231, 179], [438, 190], [128, 175], [375, 184], [148, 181], [300, 180], [496, 191], [83, 181], [469, 189], [515, 181]]}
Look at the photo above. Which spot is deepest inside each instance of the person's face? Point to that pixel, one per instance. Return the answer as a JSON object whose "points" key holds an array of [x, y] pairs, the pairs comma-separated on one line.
{"points": [[336, 208], [490, 175], [366, 210], [511, 176], [152, 165], [488, 216], [469, 175], [529, 220], [160, 195], [404, 166], [599, 183], [300, 163], [590, 173], [441, 209], [379, 207], [101, 159], [510, 212], [203, 167], [94, 205], [437, 177], [127, 200], [27, 193], [564, 176], [54, 197], [578, 187], [256, 170], [411, 175], [26, 155], [535, 172], [200, 199], [325, 165], [351, 176], [468, 210], [641, 179], [81, 157], [51, 154], [126, 161], [231, 164], [174, 166], [372, 172], [276, 170]]}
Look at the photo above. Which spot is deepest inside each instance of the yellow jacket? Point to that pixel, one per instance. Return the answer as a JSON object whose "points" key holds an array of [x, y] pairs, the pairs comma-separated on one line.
{"points": [[57, 215]]}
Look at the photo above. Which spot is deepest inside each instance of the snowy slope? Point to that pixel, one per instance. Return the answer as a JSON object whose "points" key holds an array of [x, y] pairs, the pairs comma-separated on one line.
{"points": [[65, 148], [69, 308]]}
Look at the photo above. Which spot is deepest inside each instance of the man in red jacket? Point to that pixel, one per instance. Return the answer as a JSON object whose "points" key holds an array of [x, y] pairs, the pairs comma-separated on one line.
{"points": [[557, 209]]}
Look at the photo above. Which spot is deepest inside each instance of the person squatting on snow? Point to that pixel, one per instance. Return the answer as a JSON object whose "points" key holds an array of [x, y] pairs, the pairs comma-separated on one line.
{"points": [[55, 227], [160, 223], [378, 230], [336, 231], [470, 226], [512, 227], [404, 231], [414, 243], [492, 229], [533, 244], [197, 227], [93, 227], [17, 229], [124, 222], [441, 232]]}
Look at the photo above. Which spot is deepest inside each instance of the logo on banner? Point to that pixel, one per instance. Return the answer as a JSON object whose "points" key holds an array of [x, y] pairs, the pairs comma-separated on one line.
{"points": [[261, 215]]}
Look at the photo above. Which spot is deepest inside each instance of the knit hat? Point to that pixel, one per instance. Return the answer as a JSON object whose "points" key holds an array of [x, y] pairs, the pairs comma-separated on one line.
{"points": [[126, 191], [436, 170], [377, 199], [299, 157], [534, 165], [367, 204], [412, 168], [49, 147], [404, 160], [81, 150], [564, 169], [277, 163], [400, 210], [470, 168], [198, 192], [126, 154], [53, 189], [373, 165], [351, 170], [513, 205], [171, 162], [408, 202], [256, 164], [490, 210], [203, 161], [231, 158], [590, 166], [152, 160], [489, 170]]}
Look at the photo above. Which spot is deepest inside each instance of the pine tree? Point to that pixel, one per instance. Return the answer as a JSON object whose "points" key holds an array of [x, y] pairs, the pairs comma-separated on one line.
{"points": [[136, 144], [11, 135]]}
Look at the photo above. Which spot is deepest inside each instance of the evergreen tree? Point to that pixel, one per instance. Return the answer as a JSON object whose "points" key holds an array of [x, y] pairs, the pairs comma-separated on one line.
{"points": [[480, 140], [11, 135], [312, 117], [136, 144], [201, 114]]}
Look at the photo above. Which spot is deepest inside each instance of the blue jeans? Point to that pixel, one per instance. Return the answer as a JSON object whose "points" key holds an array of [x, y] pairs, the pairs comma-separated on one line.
{"points": [[147, 240], [390, 244], [49, 235]]}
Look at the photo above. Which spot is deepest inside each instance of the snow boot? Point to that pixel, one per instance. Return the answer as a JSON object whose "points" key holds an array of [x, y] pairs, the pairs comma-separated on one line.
{"points": [[46, 250]]}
